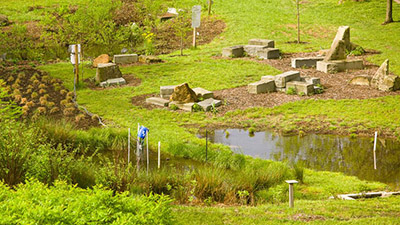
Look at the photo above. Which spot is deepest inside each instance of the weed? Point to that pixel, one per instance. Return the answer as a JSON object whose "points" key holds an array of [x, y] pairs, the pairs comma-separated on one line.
{"points": [[291, 91]]}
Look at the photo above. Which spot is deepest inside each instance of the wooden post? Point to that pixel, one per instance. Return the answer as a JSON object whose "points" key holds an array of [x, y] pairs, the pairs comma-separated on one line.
{"points": [[137, 149], [129, 145], [291, 192], [159, 154], [375, 139], [206, 145], [76, 64], [194, 37], [147, 151]]}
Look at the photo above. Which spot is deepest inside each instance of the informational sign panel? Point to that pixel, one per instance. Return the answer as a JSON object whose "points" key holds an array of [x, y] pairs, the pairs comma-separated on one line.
{"points": [[71, 50], [196, 14]]}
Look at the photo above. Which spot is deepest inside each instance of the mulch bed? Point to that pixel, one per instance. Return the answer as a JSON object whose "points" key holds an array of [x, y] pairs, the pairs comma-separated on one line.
{"points": [[131, 81]]}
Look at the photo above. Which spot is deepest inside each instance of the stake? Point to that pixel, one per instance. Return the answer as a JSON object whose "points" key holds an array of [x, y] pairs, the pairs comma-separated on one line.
{"points": [[138, 150], [194, 37], [376, 137], [298, 22], [206, 145], [209, 7], [76, 64], [129, 145], [291, 192], [159, 154], [147, 151]]}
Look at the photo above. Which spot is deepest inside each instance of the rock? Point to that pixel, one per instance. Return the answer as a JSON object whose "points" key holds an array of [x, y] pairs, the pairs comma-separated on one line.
{"points": [[390, 83], [4, 20], [186, 106], [268, 53], [203, 93], [112, 82], [380, 74], [125, 58], [301, 87], [282, 79], [263, 42], [166, 91], [343, 34], [183, 94], [267, 78], [306, 62], [107, 71], [252, 50], [149, 59], [102, 59], [362, 80], [158, 101], [234, 52], [337, 51], [261, 87], [207, 104], [339, 65]]}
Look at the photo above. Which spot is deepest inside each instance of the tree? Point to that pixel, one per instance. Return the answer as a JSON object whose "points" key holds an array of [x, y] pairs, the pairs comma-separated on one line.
{"points": [[389, 12]]}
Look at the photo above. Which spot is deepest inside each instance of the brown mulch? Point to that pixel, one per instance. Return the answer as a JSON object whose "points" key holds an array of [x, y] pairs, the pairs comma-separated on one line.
{"points": [[131, 81]]}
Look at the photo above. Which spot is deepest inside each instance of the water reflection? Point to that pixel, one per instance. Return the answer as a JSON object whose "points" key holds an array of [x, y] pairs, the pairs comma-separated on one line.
{"points": [[320, 152]]}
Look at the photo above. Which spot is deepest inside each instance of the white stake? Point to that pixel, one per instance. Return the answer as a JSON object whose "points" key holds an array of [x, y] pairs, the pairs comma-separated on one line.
{"points": [[159, 159], [129, 145], [147, 151], [137, 149], [291, 192], [376, 137]]}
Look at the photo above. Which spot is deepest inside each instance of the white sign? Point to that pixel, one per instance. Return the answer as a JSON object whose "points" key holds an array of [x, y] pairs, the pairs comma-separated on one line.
{"points": [[71, 50], [196, 13]]}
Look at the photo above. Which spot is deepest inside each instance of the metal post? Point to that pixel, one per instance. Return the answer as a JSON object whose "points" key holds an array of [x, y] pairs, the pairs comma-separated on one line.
{"points": [[291, 192], [159, 154], [76, 64], [138, 150], [129, 145], [147, 151], [206, 145], [375, 139]]}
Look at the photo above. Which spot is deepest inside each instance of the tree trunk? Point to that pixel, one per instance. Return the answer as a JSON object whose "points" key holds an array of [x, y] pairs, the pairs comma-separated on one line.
{"points": [[389, 12]]}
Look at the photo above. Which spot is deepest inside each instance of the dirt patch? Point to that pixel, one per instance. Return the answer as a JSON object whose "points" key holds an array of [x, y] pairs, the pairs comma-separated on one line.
{"points": [[131, 81], [41, 95], [307, 218]]}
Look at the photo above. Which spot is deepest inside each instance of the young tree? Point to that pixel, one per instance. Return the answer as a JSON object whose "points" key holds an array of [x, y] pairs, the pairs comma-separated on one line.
{"points": [[181, 26], [389, 12]]}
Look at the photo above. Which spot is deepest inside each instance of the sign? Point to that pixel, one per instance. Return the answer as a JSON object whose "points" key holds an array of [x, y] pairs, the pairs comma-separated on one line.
{"points": [[196, 13], [71, 50]]}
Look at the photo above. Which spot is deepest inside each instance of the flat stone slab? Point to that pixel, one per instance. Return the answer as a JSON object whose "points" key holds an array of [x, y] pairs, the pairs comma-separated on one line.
{"points": [[252, 50], [166, 91], [207, 104], [112, 82], [311, 80], [306, 62], [157, 101], [203, 93], [125, 58], [362, 80], [282, 79], [185, 107], [340, 65], [267, 78], [301, 87], [261, 87], [269, 53], [107, 71], [234, 51], [263, 42]]}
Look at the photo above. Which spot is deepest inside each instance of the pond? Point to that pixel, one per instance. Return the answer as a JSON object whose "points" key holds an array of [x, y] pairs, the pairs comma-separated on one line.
{"points": [[352, 156]]}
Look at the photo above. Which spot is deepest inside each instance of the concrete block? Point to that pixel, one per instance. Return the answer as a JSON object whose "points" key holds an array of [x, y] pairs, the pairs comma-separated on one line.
{"points": [[263, 42], [112, 82], [206, 105], [185, 107], [252, 50], [166, 91], [282, 79], [362, 80], [301, 87], [311, 80], [339, 65], [268, 53], [267, 78], [306, 62], [125, 59], [107, 71], [261, 87], [203, 93], [234, 51], [158, 101]]}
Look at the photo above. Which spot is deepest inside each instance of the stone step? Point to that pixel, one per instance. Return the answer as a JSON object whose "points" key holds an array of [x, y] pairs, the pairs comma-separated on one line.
{"points": [[267, 78], [185, 107], [125, 58], [268, 53], [300, 87], [282, 79], [107, 71], [263, 42], [234, 51], [112, 82], [261, 87], [206, 105], [203, 93], [252, 50], [166, 91], [157, 101], [306, 62], [340, 65]]}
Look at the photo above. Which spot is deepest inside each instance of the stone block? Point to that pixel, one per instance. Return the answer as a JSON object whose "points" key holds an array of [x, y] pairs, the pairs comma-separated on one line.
{"points": [[267, 78], [306, 62], [261, 87], [312, 80], [185, 107], [337, 51], [339, 65], [158, 101], [268, 53], [362, 80], [263, 42], [282, 79], [380, 74], [252, 50], [167, 90], [301, 87], [107, 71], [203, 93], [206, 105], [112, 82], [234, 51], [390, 83], [125, 59]]}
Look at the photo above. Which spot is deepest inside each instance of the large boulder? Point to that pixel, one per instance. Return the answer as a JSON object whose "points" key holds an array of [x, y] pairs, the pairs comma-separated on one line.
{"points": [[183, 94], [102, 59], [337, 51], [107, 71]]}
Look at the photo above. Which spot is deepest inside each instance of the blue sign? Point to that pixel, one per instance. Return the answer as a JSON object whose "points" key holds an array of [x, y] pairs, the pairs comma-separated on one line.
{"points": [[143, 132]]}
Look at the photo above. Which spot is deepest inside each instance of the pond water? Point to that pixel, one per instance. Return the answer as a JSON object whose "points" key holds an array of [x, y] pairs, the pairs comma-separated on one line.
{"points": [[352, 156]]}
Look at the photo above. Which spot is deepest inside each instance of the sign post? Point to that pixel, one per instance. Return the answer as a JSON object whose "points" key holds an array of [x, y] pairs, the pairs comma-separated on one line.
{"points": [[75, 56], [196, 17]]}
